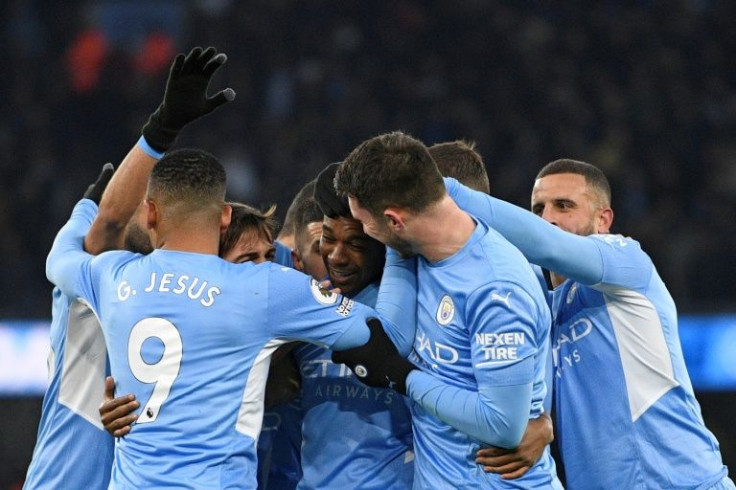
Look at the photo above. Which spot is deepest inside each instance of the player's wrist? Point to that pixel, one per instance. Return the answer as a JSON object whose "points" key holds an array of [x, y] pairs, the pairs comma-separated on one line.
{"points": [[145, 146]]}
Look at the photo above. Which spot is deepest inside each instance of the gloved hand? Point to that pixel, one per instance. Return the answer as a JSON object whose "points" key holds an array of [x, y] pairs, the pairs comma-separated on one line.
{"points": [[377, 363], [94, 191], [186, 98]]}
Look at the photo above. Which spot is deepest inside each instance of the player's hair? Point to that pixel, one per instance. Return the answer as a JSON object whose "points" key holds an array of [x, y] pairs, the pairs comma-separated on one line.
{"points": [[308, 211], [458, 159], [391, 169], [289, 220], [188, 181], [247, 219], [332, 204], [594, 177]]}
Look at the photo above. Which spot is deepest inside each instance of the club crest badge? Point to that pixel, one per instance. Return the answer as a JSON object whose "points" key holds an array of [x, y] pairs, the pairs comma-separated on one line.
{"points": [[446, 310], [322, 295]]}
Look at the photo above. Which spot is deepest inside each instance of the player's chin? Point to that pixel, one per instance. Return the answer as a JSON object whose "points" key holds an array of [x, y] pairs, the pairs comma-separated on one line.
{"points": [[345, 282]]}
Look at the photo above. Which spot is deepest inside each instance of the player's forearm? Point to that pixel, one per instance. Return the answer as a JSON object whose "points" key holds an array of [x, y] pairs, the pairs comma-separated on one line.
{"points": [[397, 298], [542, 243], [124, 193], [66, 255], [497, 417]]}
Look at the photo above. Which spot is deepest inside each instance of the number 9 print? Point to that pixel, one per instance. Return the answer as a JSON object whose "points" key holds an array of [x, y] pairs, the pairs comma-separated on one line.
{"points": [[162, 373]]}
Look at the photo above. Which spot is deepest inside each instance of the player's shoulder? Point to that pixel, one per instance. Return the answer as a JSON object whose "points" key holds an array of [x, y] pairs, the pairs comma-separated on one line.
{"points": [[620, 246], [114, 258]]}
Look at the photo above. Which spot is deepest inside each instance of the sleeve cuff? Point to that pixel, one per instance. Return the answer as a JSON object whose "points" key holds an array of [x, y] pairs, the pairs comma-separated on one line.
{"points": [[143, 145]]}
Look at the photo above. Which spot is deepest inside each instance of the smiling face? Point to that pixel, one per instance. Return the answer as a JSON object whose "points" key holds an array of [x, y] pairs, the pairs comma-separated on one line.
{"points": [[353, 259], [567, 201]]}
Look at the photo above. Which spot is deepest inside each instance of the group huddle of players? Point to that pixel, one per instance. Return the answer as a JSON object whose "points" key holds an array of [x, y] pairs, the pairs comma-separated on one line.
{"points": [[404, 330]]}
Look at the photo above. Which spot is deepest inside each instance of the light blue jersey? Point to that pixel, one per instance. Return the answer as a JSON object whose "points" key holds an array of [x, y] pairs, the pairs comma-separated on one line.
{"points": [[355, 436], [190, 335], [72, 448], [283, 255], [279, 445], [626, 413], [481, 341]]}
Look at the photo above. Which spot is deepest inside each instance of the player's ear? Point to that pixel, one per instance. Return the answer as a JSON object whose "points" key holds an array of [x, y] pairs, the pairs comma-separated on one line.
{"points": [[227, 214], [297, 260], [152, 213], [605, 220], [394, 218]]}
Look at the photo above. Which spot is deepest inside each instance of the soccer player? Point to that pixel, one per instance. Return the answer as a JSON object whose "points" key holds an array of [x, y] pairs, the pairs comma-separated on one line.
{"points": [[286, 241], [373, 448], [626, 414], [70, 427], [482, 321], [186, 330], [459, 160]]}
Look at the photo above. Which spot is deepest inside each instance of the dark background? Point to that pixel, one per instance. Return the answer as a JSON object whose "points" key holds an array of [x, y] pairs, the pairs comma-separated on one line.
{"points": [[644, 89]]}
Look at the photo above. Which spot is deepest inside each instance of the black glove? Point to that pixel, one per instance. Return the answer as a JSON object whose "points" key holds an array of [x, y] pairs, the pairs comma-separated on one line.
{"points": [[186, 98], [377, 363], [94, 191]]}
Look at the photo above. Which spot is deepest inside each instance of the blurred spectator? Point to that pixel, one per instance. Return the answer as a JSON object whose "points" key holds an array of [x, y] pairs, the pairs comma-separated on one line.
{"points": [[644, 89]]}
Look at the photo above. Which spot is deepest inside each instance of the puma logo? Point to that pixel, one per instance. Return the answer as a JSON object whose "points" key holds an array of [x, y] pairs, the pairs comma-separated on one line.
{"points": [[502, 299]]}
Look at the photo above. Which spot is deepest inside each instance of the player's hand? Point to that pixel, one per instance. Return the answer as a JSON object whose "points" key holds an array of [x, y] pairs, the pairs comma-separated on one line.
{"points": [[185, 98], [512, 463], [116, 412], [377, 363], [95, 190]]}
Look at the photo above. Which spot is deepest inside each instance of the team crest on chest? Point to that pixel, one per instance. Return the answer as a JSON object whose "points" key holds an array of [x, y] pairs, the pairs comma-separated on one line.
{"points": [[446, 310]]}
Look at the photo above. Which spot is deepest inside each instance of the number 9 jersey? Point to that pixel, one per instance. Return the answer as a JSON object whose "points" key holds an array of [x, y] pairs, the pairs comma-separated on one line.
{"points": [[191, 336]]}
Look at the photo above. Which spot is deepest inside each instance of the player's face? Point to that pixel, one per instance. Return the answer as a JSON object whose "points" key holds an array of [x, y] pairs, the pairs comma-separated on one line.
{"points": [[307, 248], [565, 200], [378, 229], [353, 259], [252, 246]]}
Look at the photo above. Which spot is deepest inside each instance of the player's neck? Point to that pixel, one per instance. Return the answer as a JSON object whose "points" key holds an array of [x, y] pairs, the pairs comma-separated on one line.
{"points": [[445, 230], [188, 239]]}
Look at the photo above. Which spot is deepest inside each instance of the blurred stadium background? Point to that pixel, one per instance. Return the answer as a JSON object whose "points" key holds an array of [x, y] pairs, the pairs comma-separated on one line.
{"points": [[644, 89]]}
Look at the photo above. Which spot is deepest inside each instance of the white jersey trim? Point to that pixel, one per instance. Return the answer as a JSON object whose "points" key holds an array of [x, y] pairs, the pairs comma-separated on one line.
{"points": [[645, 357], [82, 385], [250, 414]]}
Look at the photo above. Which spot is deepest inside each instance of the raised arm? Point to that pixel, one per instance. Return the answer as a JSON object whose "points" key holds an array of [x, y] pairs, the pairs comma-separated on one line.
{"points": [[574, 256], [185, 100]]}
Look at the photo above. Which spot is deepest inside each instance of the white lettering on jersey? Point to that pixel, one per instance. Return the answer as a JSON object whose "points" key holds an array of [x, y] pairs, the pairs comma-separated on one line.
{"points": [[195, 288], [437, 351]]}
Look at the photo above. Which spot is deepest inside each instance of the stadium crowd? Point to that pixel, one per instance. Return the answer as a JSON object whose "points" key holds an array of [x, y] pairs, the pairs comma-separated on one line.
{"points": [[643, 89]]}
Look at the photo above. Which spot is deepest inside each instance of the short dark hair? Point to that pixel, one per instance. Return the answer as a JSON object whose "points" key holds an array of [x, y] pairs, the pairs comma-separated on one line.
{"points": [[391, 169], [308, 211], [458, 159], [332, 204], [191, 179], [245, 218], [289, 220], [594, 177]]}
